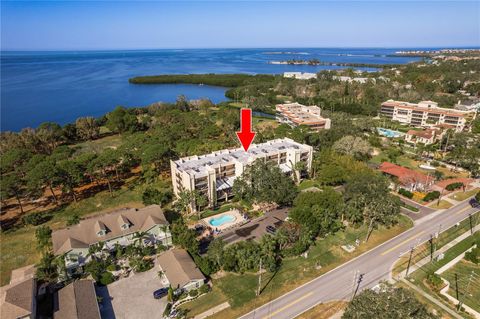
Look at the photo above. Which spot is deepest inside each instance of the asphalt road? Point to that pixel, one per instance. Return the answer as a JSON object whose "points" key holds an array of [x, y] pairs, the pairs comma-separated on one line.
{"points": [[374, 266]]}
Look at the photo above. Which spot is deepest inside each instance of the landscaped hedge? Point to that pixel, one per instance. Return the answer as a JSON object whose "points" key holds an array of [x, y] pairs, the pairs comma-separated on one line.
{"points": [[454, 186], [404, 192], [431, 196]]}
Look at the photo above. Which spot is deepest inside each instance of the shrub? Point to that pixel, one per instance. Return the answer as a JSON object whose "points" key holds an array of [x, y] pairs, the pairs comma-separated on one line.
{"points": [[454, 186], [477, 197], [405, 193], [204, 289], [473, 255], [154, 196], [112, 267], [434, 280], [73, 219], [167, 310], [107, 278], [193, 293], [435, 163], [431, 196], [36, 219]]}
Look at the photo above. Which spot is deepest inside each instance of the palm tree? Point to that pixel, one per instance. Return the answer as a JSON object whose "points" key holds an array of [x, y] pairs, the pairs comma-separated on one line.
{"points": [[139, 236], [94, 249]]}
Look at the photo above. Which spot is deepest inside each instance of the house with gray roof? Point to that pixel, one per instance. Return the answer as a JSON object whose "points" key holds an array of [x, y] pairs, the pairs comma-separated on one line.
{"points": [[115, 228], [77, 300], [180, 270]]}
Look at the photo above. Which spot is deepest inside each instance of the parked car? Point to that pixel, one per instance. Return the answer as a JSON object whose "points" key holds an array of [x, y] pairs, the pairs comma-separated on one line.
{"points": [[157, 294], [473, 202], [270, 229]]}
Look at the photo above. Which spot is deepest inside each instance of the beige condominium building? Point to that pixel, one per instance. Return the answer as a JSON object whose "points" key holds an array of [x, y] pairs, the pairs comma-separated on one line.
{"points": [[213, 174], [295, 114], [425, 114]]}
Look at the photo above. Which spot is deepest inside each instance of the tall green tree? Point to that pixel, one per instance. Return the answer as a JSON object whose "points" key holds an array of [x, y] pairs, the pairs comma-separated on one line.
{"points": [[264, 182], [120, 120], [45, 173], [12, 186], [368, 196]]}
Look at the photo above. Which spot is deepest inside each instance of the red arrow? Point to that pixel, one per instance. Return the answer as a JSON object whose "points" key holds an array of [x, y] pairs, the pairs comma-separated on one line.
{"points": [[245, 136]]}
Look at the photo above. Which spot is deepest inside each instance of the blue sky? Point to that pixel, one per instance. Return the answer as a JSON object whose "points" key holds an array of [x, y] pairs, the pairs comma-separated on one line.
{"points": [[90, 25]]}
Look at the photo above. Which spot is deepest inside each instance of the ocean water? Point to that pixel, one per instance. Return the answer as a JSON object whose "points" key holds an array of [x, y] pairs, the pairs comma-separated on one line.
{"points": [[61, 86]]}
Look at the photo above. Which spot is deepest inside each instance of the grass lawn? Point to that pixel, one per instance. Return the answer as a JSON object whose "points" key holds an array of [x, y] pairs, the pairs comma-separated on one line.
{"points": [[98, 145], [442, 205], [239, 289], [19, 244], [464, 270], [324, 310], [419, 276], [462, 196], [445, 237], [307, 183]]}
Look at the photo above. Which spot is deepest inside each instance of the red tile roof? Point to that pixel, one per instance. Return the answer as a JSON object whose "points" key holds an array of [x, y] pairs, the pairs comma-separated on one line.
{"points": [[404, 175]]}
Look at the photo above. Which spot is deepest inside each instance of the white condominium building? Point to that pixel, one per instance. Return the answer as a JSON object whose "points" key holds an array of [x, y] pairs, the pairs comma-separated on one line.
{"points": [[295, 114], [424, 114], [213, 174]]}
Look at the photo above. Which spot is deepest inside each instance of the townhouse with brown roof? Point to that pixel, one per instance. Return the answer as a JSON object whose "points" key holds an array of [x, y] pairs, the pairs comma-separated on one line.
{"points": [[18, 298], [425, 114], [427, 136], [77, 300], [118, 227], [180, 270]]}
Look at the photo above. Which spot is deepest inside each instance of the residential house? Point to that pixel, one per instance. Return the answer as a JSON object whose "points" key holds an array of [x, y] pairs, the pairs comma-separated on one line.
{"points": [[18, 298], [213, 174], [427, 136], [407, 178], [295, 114], [118, 227], [77, 300], [180, 270]]}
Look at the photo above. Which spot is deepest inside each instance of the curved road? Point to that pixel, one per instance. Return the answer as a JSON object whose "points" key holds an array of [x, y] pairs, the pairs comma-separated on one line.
{"points": [[373, 266]]}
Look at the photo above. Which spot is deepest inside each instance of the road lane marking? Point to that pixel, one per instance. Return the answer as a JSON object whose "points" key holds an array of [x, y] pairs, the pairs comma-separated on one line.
{"points": [[288, 306], [402, 243], [458, 213]]}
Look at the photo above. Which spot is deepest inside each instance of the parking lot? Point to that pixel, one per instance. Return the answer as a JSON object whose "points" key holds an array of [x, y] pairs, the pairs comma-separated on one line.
{"points": [[132, 297]]}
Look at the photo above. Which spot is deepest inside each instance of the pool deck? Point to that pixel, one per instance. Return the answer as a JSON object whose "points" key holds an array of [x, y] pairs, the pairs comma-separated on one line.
{"points": [[256, 228], [239, 219]]}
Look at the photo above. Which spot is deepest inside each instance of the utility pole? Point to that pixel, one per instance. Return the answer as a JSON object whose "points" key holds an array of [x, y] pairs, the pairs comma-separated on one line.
{"points": [[259, 279], [466, 290], [456, 285], [354, 283], [431, 247], [409, 261], [471, 223]]}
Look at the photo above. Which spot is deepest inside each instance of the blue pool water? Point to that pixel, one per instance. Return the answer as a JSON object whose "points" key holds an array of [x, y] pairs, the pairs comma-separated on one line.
{"points": [[60, 86], [389, 133], [221, 220]]}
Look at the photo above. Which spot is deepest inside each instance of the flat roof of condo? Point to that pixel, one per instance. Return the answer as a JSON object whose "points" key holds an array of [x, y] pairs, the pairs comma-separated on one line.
{"points": [[198, 165]]}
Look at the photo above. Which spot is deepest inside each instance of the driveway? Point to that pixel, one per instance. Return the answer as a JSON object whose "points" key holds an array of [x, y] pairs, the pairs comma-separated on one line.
{"points": [[255, 229], [132, 297]]}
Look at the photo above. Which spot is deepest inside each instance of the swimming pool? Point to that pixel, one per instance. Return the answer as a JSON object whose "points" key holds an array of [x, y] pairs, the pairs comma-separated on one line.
{"points": [[389, 133], [219, 221]]}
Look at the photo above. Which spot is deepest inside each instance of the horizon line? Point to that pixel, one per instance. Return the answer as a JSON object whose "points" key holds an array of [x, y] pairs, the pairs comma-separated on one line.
{"points": [[442, 47]]}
